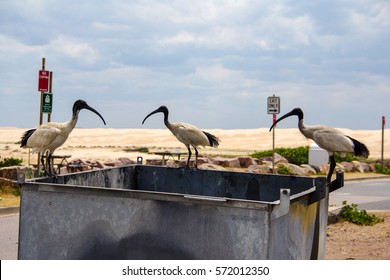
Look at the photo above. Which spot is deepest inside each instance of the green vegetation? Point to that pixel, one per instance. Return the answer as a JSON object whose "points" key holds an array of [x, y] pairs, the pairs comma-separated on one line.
{"points": [[284, 170], [298, 155], [382, 169], [136, 149], [10, 162], [360, 217], [347, 158]]}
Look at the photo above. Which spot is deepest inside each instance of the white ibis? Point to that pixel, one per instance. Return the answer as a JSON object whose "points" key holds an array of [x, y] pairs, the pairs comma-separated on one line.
{"points": [[188, 134], [49, 136], [329, 139]]}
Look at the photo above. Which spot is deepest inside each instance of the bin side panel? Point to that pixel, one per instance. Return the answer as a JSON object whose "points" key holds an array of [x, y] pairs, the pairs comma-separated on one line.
{"points": [[66, 225], [119, 178], [219, 183], [292, 234]]}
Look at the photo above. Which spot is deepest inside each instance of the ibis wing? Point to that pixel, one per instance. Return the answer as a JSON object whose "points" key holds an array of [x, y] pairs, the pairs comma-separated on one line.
{"points": [[191, 135], [43, 137], [333, 140]]}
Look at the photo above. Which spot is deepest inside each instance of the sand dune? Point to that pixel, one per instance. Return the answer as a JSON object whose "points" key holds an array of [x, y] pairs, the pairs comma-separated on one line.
{"points": [[109, 144]]}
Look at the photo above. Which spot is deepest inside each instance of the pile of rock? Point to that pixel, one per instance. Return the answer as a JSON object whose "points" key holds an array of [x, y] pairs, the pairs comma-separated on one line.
{"points": [[8, 175], [264, 165]]}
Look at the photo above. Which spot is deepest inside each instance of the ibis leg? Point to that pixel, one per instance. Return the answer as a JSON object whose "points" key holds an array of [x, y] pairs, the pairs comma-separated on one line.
{"points": [[331, 169], [196, 158], [43, 164], [189, 157], [49, 165]]}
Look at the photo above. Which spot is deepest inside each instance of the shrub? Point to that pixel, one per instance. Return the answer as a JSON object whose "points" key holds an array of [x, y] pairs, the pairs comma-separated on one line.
{"points": [[10, 162], [296, 156], [284, 170], [347, 158], [382, 169], [352, 214], [299, 155]]}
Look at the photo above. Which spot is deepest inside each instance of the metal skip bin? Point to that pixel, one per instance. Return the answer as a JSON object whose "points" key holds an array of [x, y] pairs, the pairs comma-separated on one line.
{"points": [[150, 212]]}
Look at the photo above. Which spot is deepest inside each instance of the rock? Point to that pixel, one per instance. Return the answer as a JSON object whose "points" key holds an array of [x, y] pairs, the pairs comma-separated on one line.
{"points": [[339, 167], [334, 216], [201, 160], [217, 160], [233, 163], [245, 162], [96, 164], [280, 159], [8, 183], [260, 169], [366, 167], [11, 172], [309, 170], [316, 168], [181, 163], [126, 161], [154, 161], [348, 166], [372, 167], [226, 162], [209, 166], [109, 163], [63, 170], [295, 169], [324, 168], [358, 166], [173, 164]]}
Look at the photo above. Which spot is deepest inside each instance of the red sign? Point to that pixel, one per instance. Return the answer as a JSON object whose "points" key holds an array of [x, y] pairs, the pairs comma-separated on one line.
{"points": [[43, 80]]}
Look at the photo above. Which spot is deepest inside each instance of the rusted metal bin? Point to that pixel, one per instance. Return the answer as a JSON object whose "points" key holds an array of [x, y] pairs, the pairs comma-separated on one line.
{"points": [[150, 212]]}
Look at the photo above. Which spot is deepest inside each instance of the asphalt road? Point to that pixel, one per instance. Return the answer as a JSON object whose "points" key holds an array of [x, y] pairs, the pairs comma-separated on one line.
{"points": [[367, 194], [9, 227]]}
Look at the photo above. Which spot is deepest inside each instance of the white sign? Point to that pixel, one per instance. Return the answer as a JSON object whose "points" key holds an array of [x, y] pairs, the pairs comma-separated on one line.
{"points": [[273, 105]]}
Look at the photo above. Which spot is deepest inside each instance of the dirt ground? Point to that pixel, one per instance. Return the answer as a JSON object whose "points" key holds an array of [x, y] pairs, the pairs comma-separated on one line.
{"points": [[349, 241]]}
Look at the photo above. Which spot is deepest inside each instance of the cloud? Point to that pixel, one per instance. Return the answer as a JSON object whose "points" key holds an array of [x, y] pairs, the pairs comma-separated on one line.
{"points": [[213, 63], [73, 48]]}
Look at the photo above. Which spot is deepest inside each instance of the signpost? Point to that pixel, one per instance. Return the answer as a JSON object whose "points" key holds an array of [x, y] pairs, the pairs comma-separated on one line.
{"points": [[45, 79], [383, 138], [273, 107], [47, 103]]}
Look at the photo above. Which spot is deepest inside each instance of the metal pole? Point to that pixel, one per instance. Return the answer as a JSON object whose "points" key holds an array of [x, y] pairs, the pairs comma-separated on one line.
{"points": [[50, 91], [273, 144], [40, 118], [383, 139]]}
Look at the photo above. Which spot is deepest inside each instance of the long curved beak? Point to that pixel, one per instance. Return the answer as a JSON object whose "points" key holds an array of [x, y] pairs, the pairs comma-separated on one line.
{"points": [[152, 113], [96, 112], [292, 113]]}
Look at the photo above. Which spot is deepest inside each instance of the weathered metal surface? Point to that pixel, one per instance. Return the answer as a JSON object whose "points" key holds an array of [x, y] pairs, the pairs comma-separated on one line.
{"points": [[146, 212]]}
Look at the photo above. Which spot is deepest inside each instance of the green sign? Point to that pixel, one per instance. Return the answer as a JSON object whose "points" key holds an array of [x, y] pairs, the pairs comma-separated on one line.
{"points": [[47, 102]]}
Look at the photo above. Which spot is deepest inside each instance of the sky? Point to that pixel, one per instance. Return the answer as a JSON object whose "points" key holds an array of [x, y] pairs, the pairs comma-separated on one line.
{"points": [[212, 63]]}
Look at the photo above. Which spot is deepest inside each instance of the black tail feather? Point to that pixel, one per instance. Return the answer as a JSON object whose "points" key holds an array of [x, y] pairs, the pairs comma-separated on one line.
{"points": [[27, 135], [359, 148], [213, 140]]}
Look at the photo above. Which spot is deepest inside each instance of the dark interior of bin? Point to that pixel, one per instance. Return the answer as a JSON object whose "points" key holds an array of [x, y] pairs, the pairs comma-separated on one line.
{"points": [[237, 185]]}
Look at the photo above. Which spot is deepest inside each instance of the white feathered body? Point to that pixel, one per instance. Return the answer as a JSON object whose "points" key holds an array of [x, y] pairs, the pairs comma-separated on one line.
{"points": [[328, 138], [50, 136], [189, 134]]}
